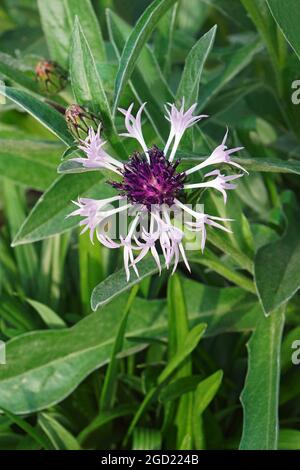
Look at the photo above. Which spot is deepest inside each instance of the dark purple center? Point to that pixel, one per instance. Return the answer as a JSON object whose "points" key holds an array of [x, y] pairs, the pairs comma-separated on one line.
{"points": [[150, 183]]}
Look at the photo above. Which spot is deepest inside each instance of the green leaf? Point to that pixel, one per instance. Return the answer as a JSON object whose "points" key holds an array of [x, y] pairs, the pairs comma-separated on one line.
{"points": [[261, 391], [45, 370], [261, 17], [30, 430], [192, 72], [88, 87], [289, 439], [49, 317], [56, 28], [239, 243], [238, 61], [206, 391], [83, 9], [178, 387], [178, 321], [107, 393], [163, 43], [58, 18], [178, 331], [146, 439], [135, 43], [29, 163], [26, 257], [45, 114], [203, 395], [60, 438], [103, 419], [287, 16], [281, 259], [117, 283], [48, 217], [191, 341], [146, 77], [14, 70], [219, 266]]}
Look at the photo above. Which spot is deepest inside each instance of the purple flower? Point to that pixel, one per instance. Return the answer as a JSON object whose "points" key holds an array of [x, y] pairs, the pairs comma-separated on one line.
{"points": [[150, 188], [150, 181]]}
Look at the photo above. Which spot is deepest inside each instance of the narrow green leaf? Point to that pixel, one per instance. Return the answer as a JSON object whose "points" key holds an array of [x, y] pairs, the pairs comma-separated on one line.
{"points": [[28, 163], [45, 114], [287, 16], [178, 332], [48, 217], [104, 418], [49, 317], [83, 9], [56, 29], [238, 61], [191, 341], [146, 77], [30, 430], [107, 393], [188, 87], [14, 70], [117, 283], [203, 395], [261, 391], [289, 439], [163, 44], [135, 43], [178, 387], [26, 256], [146, 439], [88, 87], [57, 434], [58, 18], [282, 260], [261, 17], [206, 391]]}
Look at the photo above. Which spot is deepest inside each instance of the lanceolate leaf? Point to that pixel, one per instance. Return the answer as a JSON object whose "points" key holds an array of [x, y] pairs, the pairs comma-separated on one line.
{"points": [[189, 85], [88, 87], [146, 77], [32, 164], [58, 18], [18, 73], [45, 114], [287, 16], [277, 267], [38, 375], [261, 391], [136, 41], [238, 61], [48, 217], [117, 283], [60, 438]]}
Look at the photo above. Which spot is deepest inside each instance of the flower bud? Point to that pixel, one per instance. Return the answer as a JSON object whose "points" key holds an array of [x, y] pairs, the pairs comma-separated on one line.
{"points": [[51, 77], [79, 120]]}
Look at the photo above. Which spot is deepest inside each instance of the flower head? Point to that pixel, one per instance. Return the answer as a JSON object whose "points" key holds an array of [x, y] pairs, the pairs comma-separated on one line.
{"points": [[152, 181], [150, 187], [82, 122], [50, 76]]}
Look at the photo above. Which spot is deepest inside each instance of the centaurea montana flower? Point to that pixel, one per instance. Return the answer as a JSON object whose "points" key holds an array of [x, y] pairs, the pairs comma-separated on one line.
{"points": [[150, 184]]}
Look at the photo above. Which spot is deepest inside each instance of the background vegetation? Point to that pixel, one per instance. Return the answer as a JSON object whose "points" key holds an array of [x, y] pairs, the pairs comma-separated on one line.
{"points": [[182, 362]]}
